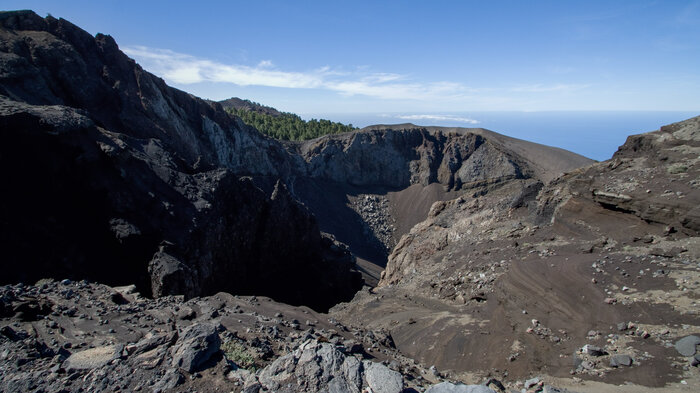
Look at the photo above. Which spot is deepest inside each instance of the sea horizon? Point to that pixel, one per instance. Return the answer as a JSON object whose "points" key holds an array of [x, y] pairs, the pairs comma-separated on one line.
{"points": [[593, 134]]}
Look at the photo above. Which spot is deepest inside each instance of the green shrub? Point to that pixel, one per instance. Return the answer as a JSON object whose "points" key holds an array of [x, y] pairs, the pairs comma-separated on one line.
{"points": [[238, 354], [677, 168], [288, 126]]}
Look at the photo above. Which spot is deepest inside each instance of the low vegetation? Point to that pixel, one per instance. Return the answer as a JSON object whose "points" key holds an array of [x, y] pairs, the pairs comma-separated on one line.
{"points": [[286, 126], [238, 354], [677, 168]]}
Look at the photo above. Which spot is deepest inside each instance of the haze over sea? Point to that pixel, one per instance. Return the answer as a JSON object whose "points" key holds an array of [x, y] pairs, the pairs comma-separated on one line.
{"points": [[594, 134]]}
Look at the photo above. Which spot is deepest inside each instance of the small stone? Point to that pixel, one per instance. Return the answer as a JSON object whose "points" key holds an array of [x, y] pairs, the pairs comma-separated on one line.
{"points": [[686, 345], [592, 350], [531, 382], [433, 370], [92, 358], [381, 379], [196, 344], [695, 361], [620, 360], [577, 360]]}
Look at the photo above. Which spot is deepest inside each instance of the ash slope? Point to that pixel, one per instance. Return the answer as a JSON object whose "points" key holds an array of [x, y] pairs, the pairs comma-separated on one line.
{"points": [[516, 281]]}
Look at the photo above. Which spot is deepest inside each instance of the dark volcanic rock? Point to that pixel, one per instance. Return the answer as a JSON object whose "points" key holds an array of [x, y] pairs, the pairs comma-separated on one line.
{"points": [[109, 174], [196, 345], [620, 360]]}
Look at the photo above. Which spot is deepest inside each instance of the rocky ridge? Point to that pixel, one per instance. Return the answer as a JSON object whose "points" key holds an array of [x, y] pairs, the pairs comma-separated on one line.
{"points": [[593, 274], [144, 179]]}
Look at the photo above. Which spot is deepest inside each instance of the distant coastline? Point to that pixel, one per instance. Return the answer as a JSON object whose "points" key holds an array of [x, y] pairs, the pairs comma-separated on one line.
{"points": [[594, 134]]}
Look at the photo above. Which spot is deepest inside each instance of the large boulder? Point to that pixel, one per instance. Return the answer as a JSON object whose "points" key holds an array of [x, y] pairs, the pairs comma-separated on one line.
{"points": [[381, 379], [686, 346], [195, 347]]}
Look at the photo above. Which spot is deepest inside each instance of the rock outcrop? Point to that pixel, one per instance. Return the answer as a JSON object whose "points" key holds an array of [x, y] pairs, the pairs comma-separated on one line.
{"points": [[207, 344], [403, 155]]}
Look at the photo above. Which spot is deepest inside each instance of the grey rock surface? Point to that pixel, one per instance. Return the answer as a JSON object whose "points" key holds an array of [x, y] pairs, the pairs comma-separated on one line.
{"points": [[195, 346], [381, 379], [686, 346], [312, 367], [92, 358], [593, 350], [448, 387], [620, 360]]}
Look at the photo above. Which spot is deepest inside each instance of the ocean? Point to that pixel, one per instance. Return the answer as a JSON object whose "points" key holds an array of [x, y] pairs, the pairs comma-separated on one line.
{"points": [[594, 134]]}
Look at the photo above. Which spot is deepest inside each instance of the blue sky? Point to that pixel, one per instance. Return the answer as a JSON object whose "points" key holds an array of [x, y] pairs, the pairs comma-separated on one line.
{"points": [[411, 56]]}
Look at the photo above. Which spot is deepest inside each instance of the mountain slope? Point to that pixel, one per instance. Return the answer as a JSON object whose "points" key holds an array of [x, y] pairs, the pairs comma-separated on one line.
{"points": [[122, 179]]}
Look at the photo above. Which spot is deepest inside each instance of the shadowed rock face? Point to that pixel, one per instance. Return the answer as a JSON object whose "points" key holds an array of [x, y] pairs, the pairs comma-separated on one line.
{"points": [[111, 175], [53, 62]]}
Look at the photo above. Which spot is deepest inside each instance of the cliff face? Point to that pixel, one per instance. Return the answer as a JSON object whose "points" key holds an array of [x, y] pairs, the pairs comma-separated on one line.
{"points": [[403, 155], [111, 175], [53, 62]]}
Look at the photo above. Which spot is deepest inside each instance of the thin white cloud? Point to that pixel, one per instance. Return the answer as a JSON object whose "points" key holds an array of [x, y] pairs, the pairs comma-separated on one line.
{"points": [[436, 117], [539, 88], [265, 64], [186, 69], [179, 68]]}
